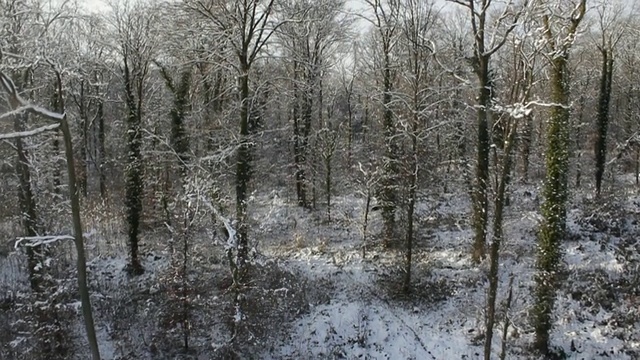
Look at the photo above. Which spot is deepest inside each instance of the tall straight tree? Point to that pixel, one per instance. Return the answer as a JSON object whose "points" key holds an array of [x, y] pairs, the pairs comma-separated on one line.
{"points": [[18, 22], [484, 46], [386, 23], [246, 26], [602, 122], [521, 73], [611, 31], [418, 19], [309, 42], [559, 36], [134, 29]]}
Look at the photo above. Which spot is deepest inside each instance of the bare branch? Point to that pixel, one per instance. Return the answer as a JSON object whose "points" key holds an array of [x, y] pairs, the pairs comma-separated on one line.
{"points": [[17, 102], [23, 134]]}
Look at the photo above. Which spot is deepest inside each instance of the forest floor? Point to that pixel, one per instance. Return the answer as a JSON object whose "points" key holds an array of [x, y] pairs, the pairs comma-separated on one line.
{"points": [[317, 294], [368, 317]]}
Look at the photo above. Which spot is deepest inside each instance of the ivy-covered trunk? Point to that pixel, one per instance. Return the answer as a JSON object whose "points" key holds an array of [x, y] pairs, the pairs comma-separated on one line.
{"points": [[554, 206], [555, 190]]}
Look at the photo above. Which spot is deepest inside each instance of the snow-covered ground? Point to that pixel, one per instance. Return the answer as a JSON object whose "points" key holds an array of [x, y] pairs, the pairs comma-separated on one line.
{"points": [[364, 320], [341, 305]]}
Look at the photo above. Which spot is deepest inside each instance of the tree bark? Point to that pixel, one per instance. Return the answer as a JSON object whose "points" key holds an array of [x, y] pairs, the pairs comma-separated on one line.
{"points": [[494, 252], [603, 117], [134, 182], [79, 242], [480, 201], [388, 194], [243, 166]]}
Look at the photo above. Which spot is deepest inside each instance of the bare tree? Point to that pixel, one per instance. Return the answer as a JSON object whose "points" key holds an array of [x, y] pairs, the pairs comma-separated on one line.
{"points": [[134, 25], [386, 30], [418, 18], [246, 27], [611, 28], [320, 28], [487, 41], [510, 115], [18, 106]]}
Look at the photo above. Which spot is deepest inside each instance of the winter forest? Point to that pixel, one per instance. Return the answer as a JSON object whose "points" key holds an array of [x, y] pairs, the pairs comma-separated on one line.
{"points": [[319, 179]]}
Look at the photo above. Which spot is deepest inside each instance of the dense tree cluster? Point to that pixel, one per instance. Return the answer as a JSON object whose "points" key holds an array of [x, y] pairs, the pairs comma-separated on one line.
{"points": [[179, 110]]}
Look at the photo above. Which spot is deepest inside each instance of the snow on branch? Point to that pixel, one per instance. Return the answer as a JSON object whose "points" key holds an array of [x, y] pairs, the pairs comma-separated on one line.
{"points": [[228, 224], [22, 134], [33, 241], [516, 111], [624, 148], [19, 104]]}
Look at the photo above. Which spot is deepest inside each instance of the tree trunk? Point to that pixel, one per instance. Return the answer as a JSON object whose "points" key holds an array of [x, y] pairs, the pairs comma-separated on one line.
{"points": [[243, 167], [28, 207], [413, 185], [179, 136], [134, 182], [554, 206], [480, 202], [527, 135], [79, 242], [494, 252], [327, 183], [27, 200], [101, 150], [299, 141], [578, 138], [82, 171], [388, 194], [603, 117]]}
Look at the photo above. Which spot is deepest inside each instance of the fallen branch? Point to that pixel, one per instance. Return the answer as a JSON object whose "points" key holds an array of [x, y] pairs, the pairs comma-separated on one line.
{"points": [[33, 241]]}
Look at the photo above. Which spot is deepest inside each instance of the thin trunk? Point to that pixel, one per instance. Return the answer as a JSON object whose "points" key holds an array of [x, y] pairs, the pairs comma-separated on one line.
{"points": [[349, 123], [243, 167], [365, 224], [637, 169], [186, 328], [578, 144], [56, 168], [411, 205], [102, 152], [327, 181], [507, 322], [28, 207], [494, 251], [388, 194], [365, 120], [57, 106], [79, 242], [82, 170], [299, 157], [527, 135]]}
